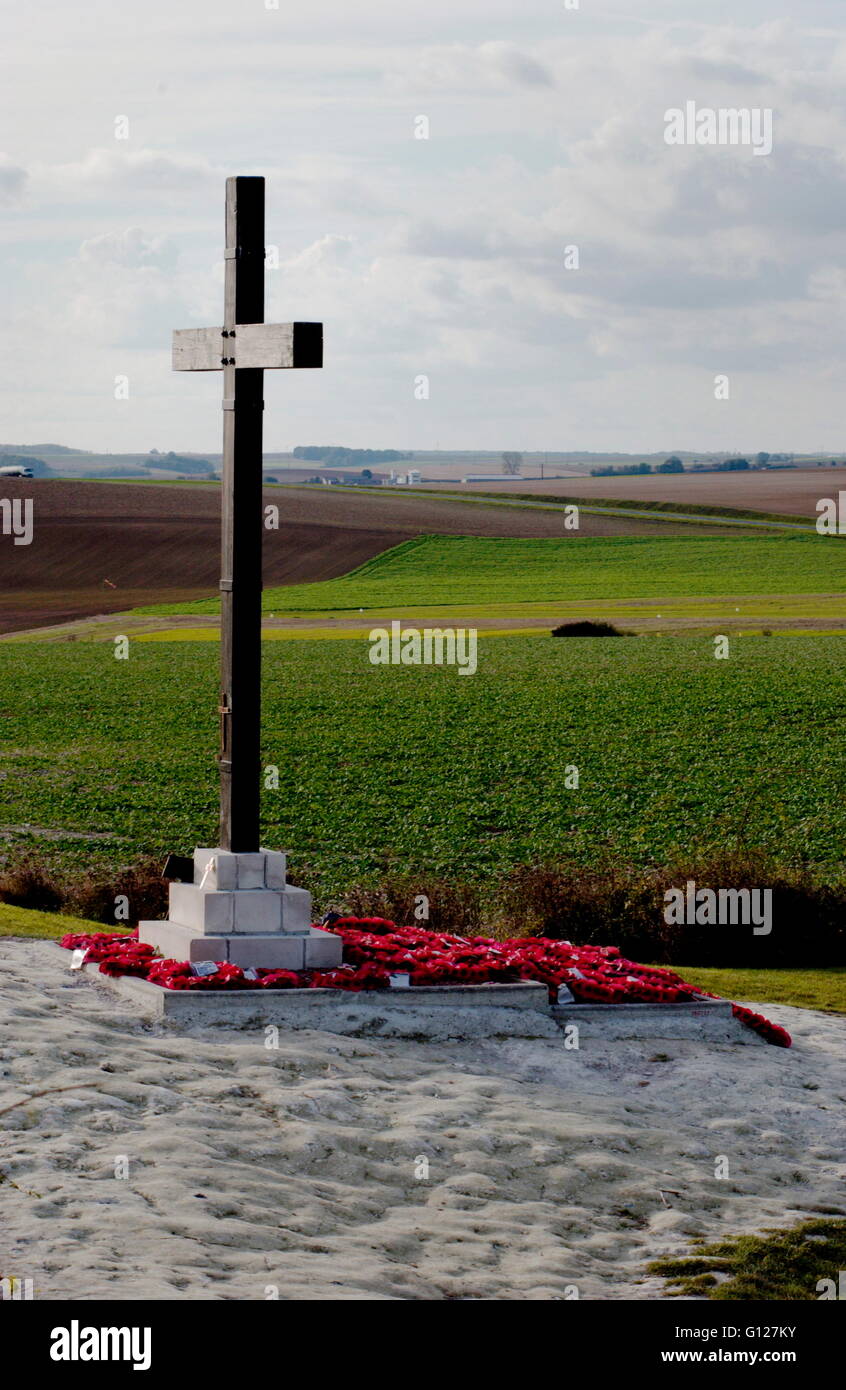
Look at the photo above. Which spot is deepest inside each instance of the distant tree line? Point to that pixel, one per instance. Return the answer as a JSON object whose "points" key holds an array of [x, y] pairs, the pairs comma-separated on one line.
{"points": [[337, 457], [674, 465], [625, 472], [176, 463], [727, 466]]}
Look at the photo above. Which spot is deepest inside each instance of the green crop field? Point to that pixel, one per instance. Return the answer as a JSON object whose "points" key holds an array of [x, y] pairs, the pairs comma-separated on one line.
{"points": [[459, 570], [423, 768]]}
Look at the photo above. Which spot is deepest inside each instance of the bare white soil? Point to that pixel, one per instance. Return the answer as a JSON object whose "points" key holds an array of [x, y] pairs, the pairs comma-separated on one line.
{"points": [[354, 1168]]}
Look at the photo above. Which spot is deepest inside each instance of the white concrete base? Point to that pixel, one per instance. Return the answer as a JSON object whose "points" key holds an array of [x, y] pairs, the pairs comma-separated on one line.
{"points": [[312, 950], [703, 1020], [221, 869], [434, 1012], [240, 909], [249, 911]]}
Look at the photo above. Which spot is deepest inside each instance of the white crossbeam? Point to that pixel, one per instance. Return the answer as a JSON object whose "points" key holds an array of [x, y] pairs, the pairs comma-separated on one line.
{"points": [[262, 345]]}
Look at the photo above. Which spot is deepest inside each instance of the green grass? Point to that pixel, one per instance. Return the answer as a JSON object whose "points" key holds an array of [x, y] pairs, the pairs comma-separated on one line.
{"points": [[778, 1265], [418, 767], [806, 989], [23, 921], [468, 570]]}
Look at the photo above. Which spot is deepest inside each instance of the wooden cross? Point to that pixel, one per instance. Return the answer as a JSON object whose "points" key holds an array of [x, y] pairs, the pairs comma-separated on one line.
{"points": [[242, 349]]}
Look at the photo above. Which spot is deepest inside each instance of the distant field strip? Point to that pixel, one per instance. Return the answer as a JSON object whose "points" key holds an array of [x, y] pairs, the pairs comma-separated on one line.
{"points": [[812, 612], [435, 571], [747, 518], [673, 511]]}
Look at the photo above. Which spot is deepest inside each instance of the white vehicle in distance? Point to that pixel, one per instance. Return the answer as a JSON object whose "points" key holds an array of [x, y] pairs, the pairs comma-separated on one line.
{"points": [[16, 470]]}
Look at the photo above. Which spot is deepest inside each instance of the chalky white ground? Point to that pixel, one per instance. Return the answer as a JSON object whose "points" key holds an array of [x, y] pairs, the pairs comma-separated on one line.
{"points": [[251, 1168]]}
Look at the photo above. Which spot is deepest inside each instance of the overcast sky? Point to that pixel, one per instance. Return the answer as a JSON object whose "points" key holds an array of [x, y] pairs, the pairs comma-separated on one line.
{"points": [[443, 257]]}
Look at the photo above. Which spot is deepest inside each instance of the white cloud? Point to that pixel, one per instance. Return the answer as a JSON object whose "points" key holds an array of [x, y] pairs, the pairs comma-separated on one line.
{"points": [[491, 65], [515, 65], [328, 252], [142, 171], [443, 255], [129, 248]]}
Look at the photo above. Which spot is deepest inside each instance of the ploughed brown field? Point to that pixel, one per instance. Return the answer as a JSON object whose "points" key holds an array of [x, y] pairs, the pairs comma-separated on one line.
{"points": [[794, 492], [105, 547]]}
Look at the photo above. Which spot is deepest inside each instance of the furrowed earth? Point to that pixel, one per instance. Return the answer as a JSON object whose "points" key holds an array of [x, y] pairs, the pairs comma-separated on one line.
{"points": [[792, 492], [101, 548]]}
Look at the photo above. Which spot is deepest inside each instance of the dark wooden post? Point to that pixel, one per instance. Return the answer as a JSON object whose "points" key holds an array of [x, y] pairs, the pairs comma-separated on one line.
{"points": [[242, 349], [240, 584]]}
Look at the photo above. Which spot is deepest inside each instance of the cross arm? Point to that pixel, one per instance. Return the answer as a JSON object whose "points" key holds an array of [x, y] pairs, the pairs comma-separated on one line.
{"points": [[264, 345]]}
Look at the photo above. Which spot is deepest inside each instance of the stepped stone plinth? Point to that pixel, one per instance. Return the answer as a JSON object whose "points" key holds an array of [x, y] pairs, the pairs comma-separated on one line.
{"points": [[241, 909]]}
